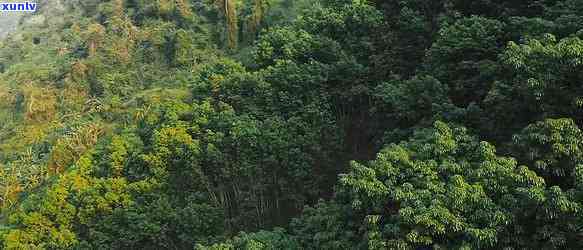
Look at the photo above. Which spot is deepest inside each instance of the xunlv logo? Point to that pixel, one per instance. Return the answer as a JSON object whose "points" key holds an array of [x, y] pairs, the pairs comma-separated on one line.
{"points": [[26, 6]]}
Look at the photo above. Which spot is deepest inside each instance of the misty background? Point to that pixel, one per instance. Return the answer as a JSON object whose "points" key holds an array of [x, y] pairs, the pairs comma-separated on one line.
{"points": [[8, 22]]}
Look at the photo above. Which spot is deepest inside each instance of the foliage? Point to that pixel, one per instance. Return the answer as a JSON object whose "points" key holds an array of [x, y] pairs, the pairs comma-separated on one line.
{"points": [[553, 148], [292, 124], [443, 188]]}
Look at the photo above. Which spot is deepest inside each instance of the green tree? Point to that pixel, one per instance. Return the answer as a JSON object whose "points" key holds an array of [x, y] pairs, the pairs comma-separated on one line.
{"points": [[554, 148], [540, 84], [443, 188], [464, 56]]}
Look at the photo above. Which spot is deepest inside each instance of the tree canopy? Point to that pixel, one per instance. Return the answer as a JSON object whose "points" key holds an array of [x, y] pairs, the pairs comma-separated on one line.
{"points": [[293, 124]]}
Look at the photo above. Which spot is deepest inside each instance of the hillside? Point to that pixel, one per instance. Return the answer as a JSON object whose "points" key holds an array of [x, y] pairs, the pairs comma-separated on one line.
{"points": [[292, 124]]}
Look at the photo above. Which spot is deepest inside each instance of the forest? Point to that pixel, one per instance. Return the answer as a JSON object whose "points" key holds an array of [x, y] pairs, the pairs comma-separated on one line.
{"points": [[293, 124]]}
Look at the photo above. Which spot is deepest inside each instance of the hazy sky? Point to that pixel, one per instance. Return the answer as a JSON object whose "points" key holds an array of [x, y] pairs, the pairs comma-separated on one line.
{"points": [[8, 21]]}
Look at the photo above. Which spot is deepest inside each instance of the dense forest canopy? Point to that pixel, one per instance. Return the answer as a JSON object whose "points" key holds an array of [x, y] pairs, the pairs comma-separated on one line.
{"points": [[293, 124]]}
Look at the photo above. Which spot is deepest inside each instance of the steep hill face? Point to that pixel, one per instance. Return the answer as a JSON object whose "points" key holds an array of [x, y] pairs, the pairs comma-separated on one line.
{"points": [[293, 124]]}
